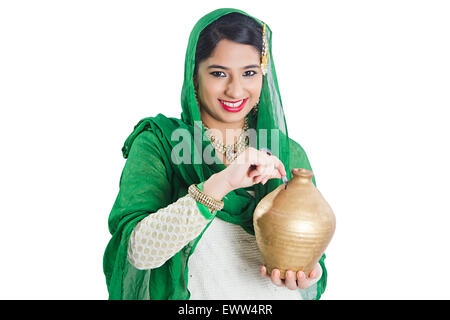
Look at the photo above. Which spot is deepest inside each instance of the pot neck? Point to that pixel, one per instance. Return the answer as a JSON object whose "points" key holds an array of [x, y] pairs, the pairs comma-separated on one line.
{"points": [[302, 174]]}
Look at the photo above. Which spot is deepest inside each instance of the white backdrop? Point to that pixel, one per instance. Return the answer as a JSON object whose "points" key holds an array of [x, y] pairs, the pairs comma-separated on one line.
{"points": [[365, 87]]}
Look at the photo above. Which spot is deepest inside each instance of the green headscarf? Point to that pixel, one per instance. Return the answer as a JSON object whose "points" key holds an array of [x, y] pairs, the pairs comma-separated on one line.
{"points": [[152, 180]]}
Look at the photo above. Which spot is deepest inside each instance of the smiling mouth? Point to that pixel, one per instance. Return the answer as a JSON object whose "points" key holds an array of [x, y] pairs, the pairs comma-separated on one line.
{"points": [[233, 104]]}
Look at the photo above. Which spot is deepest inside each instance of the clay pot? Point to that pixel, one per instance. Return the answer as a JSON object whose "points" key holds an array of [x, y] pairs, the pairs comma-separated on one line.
{"points": [[293, 226]]}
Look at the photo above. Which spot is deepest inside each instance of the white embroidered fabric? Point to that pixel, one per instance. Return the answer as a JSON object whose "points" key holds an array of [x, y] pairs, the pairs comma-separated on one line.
{"points": [[226, 260], [225, 265], [158, 237]]}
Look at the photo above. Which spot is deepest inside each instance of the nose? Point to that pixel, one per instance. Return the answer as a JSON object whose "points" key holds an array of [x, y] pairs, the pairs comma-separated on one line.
{"points": [[235, 89]]}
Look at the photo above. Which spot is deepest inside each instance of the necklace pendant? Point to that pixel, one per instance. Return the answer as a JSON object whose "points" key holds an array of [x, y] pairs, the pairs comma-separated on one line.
{"points": [[231, 151], [230, 154]]}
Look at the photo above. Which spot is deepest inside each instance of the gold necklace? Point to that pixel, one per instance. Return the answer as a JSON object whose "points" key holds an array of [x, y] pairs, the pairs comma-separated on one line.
{"points": [[231, 151]]}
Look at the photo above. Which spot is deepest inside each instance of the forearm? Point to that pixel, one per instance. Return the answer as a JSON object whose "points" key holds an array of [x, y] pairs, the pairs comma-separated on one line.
{"points": [[216, 186], [162, 234]]}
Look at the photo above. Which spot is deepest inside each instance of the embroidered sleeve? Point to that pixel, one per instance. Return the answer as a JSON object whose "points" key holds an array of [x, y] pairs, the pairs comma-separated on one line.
{"points": [[162, 234]]}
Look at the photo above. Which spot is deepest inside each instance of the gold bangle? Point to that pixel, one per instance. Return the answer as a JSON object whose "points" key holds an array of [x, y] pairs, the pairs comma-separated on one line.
{"points": [[211, 203]]}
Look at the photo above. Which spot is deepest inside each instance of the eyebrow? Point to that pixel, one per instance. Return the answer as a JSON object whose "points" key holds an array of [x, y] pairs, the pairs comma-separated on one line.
{"points": [[215, 66]]}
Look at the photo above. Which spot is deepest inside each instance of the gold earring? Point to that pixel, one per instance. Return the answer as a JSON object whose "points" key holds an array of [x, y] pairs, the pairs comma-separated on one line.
{"points": [[265, 52]]}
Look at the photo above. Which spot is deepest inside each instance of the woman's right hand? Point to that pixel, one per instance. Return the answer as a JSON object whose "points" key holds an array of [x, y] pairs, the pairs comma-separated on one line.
{"points": [[252, 166]]}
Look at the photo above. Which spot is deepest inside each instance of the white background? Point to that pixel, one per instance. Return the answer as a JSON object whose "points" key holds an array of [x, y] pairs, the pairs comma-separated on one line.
{"points": [[365, 88]]}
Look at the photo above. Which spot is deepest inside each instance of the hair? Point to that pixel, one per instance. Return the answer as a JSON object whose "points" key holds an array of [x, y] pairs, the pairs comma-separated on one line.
{"points": [[233, 26]]}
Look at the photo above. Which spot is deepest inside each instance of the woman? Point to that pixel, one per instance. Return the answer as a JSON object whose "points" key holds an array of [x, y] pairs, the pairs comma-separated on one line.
{"points": [[182, 225]]}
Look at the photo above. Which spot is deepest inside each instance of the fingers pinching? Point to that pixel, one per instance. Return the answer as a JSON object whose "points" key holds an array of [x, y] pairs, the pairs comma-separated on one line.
{"points": [[280, 167], [274, 168], [264, 166]]}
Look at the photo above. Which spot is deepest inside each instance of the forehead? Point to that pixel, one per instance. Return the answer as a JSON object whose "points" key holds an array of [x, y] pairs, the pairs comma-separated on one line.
{"points": [[233, 54]]}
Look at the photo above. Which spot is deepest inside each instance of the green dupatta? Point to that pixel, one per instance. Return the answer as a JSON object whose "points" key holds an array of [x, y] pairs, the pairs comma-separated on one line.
{"points": [[152, 180]]}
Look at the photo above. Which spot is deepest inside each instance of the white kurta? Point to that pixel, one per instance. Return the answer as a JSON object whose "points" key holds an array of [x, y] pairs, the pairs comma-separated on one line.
{"points": [[225, 265]]}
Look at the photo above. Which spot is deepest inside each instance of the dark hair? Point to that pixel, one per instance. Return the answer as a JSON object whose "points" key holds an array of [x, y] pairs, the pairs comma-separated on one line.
{"points": [[233, 26]]}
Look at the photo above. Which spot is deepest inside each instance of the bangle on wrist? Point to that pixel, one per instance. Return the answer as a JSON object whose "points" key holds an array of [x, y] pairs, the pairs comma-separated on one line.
{"points": [[210, 202]]}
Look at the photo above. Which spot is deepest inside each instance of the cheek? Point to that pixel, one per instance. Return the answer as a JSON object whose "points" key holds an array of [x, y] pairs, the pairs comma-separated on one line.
{"points": [[255, 86], [212, 90]]}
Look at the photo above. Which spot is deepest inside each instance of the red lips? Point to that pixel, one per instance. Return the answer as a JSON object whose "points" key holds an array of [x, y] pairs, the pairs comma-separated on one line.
{"points": [[233, 109]]}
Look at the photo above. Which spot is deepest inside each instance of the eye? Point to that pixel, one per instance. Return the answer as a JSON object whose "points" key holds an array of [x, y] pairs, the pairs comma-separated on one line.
{"points": [[218, 74], [252, 73]]}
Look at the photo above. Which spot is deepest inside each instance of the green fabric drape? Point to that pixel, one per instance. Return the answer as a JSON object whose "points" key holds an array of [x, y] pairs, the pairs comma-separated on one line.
{"points": [[154, 177]]}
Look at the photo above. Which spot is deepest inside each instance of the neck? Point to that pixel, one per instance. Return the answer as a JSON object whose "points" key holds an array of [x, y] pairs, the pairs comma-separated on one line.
{"points": [[227, 132]]}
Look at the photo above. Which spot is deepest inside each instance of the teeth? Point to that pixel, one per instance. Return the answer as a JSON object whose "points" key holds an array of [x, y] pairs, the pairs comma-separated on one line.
{"points": [[232, 105]]}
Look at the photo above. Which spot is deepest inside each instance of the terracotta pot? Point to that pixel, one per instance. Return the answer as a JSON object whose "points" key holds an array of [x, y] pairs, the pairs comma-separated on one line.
{"points": [[293, 226]]}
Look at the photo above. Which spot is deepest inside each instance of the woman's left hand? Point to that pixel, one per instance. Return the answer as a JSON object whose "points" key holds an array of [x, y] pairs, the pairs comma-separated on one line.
{"points": [[302, 282]]}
